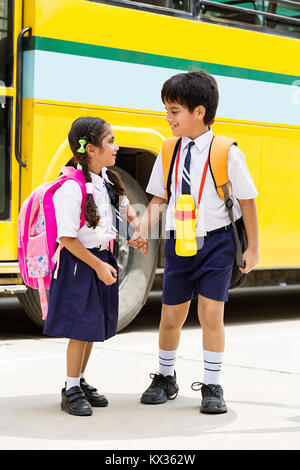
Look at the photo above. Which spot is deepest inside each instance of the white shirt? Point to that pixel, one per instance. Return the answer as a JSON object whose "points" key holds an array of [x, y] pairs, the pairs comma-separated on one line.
{"points": [[214, 213], [67, 203]]}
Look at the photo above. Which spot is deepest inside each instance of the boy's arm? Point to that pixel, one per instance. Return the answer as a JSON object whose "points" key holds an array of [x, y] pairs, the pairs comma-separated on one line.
{"points": [[249, 213], [150, 217]]}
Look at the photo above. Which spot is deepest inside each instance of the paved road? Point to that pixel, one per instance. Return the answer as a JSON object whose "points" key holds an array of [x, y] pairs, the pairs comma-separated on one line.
{"points": [[261, 379]]}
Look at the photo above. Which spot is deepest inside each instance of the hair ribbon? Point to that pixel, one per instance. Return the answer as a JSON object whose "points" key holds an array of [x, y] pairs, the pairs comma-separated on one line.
{"points": [[82, 144]]}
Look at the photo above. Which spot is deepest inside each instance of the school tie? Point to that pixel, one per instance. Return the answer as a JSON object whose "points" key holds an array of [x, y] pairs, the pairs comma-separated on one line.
{"points": [[186, 178]]}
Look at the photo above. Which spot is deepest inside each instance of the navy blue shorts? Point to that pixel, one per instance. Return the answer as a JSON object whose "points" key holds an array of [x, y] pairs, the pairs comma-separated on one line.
{"points": [[80, 305], [208, 273]]}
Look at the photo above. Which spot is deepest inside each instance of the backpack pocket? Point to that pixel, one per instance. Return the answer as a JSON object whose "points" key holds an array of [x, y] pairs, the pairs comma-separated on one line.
{"points": [[37, 256]]}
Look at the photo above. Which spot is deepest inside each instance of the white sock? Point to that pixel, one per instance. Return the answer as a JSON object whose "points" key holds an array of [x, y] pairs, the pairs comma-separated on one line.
{"points": [[72, 382], [167, 362], [82, 375], [212, 366]]}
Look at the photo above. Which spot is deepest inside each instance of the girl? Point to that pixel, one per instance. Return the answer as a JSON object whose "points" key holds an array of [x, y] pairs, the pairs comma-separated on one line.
{"points": [[83, 300]]}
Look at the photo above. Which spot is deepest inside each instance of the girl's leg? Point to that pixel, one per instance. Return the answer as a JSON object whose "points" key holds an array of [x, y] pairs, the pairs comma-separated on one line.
{"points": [[90, 392], [74, 401], [86, 357], [75, 356]]}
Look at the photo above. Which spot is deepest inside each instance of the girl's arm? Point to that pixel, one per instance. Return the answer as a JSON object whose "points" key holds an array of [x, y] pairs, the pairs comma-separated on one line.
{"points": [[251, 255], [129, 213], [150, 217], [106, 273]]}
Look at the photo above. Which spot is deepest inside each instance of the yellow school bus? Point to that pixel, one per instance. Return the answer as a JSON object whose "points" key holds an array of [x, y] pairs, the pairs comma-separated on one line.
{"points": [[61, 59]]}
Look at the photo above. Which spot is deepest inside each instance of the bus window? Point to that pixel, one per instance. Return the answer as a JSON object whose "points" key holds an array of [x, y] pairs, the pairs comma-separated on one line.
{"points": [[5, 154], [183, 5], [289, 9], [243, 11], [6, 42], [281, 15]]}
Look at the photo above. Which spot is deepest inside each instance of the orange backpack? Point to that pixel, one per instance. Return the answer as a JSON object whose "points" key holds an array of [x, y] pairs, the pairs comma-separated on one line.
{"points": [[218, 155]]}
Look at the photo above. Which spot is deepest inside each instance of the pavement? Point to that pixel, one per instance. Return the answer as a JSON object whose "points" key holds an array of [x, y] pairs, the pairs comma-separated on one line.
{"points": [[260, 378]]}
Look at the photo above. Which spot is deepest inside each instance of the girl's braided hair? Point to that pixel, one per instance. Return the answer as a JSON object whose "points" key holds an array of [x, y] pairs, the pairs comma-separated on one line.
{"points": [[93, 130]]}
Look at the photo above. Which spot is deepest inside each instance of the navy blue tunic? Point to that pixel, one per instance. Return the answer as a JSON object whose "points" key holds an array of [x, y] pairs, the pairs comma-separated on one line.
{"points": [[80, 305]]}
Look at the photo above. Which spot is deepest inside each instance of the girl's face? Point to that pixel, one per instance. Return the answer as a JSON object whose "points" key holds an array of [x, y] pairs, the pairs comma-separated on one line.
{"points": [[104, 155]]}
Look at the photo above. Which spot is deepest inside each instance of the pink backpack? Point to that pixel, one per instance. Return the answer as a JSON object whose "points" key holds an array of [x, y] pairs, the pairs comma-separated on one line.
{"points": [[38, 250]]}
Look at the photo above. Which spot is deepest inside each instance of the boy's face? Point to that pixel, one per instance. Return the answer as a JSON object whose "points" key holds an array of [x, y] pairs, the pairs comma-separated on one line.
{"points": [[183, 122]]}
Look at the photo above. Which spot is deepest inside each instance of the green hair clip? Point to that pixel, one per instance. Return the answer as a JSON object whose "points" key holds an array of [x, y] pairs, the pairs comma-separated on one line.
{"points": [[82, 144]]}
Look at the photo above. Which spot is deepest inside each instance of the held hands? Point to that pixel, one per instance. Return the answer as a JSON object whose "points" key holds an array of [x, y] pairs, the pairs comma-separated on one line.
{"points": [[139, 243], [106, 273], [251, 258]]}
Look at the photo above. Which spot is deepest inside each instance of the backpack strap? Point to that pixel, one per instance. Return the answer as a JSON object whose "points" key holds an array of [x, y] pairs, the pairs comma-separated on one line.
{"points": [[218, 156], [169, 152]]}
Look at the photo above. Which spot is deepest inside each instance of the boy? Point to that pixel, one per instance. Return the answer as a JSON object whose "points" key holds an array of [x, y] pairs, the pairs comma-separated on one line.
{"points": [[191, 101]]}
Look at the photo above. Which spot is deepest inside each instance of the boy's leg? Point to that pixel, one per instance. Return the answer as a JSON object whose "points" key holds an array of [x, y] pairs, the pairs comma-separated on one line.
{"points": [[164, 384], [171, 322], [211, 317]]}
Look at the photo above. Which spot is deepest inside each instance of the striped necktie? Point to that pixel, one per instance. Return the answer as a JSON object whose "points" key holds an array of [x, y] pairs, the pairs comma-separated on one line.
{"points": [[186, 179]]}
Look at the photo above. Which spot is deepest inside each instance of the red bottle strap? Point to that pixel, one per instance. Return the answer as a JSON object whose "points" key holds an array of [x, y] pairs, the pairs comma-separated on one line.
{"points": [[202, 179]]}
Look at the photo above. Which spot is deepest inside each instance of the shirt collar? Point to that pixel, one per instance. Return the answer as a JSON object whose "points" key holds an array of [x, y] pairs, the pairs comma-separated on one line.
{"points": [[201, 142]]}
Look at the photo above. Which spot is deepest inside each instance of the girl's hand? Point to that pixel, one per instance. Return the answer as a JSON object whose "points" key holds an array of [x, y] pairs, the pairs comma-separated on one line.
{"points": [[139, 243], [106, 273], [251, 258]]}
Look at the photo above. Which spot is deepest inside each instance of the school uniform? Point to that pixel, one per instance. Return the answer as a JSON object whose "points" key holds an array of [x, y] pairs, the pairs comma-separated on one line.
{"points": [[207, 273], [81, 306]]}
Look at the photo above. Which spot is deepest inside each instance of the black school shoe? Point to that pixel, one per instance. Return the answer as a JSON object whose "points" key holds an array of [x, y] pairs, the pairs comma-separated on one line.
{"points": [[94, 398], [161, 389], [74, 402], [212, 398]]}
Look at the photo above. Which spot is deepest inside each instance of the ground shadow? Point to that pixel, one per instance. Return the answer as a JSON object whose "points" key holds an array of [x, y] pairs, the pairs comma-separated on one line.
{"points": [[40, 417]]}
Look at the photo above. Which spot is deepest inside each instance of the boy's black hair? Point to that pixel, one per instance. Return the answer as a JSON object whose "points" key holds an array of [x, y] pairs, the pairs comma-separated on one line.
{"points": [[192, 89]]}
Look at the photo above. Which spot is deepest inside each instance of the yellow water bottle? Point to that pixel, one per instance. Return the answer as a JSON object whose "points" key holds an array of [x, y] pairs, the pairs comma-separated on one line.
{"points": [[185, 220]]}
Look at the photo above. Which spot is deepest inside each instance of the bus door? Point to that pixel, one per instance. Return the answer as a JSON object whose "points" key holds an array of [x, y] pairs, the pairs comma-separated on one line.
{"points": [[10, 28]]}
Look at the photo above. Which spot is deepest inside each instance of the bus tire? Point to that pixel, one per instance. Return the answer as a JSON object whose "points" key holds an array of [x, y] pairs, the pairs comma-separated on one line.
{"points": [[136, 284], [136, 271], [30, 302]]}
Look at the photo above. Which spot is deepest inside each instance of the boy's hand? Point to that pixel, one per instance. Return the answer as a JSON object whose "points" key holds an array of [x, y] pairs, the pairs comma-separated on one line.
{"points": [[106, 273], [139, 243], [251, 258]]}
